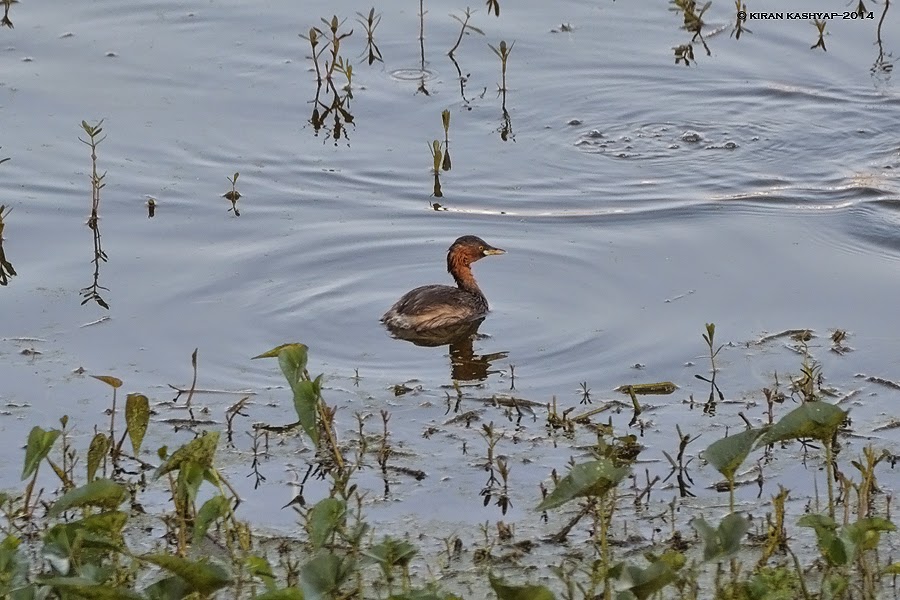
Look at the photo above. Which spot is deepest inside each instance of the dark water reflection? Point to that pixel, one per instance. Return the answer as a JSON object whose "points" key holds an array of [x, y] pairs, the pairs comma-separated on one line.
{"points": [[465, 365]]}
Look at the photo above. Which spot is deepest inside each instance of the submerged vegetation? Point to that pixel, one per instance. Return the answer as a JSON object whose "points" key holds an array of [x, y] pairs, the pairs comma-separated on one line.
{"points": [[74, 532]]}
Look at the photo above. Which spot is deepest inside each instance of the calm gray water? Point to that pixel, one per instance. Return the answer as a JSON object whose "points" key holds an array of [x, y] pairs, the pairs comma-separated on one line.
{"points": [[637, 199]]}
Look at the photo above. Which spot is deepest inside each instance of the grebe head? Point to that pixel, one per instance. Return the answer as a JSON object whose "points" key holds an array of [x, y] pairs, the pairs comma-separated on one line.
{"points": [[468, 249]]}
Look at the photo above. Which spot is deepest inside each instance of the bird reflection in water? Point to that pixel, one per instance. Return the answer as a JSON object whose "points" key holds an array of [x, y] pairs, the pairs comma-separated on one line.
{"points": [[465, 365]]}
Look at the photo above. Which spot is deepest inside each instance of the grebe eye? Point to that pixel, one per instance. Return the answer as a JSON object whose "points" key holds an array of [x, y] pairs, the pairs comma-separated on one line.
{"points": [[481, 248]]}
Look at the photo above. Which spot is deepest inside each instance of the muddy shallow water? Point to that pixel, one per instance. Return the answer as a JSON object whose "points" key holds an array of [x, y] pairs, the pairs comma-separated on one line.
{"points": [[637, 200]]}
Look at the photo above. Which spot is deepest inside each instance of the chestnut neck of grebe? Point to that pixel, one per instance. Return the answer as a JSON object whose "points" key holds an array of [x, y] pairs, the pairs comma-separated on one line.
{"points": [[459, 265]]}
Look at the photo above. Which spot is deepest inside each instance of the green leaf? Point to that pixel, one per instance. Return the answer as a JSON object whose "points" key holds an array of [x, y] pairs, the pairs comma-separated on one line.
{"points": [[306, 403], [82, 587], [810, 420], [391, 553], [321, 577], [13, 568], [866, 532], [201, 450], [727, 454], [111, 522], [200, 575], [292, 359], [70, 541], [258, 566], [109, 380], [644, 582], [594, 478], [168, 588], [519, 592], [103, 493], [40, 442], [725, 540], [96, 452], [190, 477], [213, 509], [325, 518], [137, 417], [274, 352], [892, 569]]}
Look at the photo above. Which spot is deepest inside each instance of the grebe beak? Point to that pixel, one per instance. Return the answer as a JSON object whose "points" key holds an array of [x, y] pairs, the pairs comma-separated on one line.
{"points": [[490, 250]]}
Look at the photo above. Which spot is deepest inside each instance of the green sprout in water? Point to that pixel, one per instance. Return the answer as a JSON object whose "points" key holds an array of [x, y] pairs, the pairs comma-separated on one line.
{"points": [[437, 158], [233, 195], [370, 22], [445, 120], [739, 28], [709, 337], [464, 30], [333, 27], [505, 130], [503, 53], [345, 69], [313, 39], [820, 26], [494, 6], [692, 23], [436, 155], [97, 183], [92, 292]]}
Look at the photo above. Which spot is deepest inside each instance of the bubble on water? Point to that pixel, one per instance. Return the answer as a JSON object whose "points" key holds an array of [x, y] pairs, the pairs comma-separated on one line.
{"points": [[574, 122], [691, 137]]}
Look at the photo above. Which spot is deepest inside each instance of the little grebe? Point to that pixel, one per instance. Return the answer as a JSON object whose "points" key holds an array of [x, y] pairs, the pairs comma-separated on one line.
{"points": [[437, 306]]}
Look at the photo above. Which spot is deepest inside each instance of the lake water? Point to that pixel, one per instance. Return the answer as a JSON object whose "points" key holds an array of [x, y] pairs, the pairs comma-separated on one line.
{"points": [[637, 199]]}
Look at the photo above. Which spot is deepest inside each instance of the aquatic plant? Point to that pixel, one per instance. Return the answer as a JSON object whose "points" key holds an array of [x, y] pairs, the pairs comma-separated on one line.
{"points": [[445, 121], [233, 195], [369, 23], [820, 43], [97, 180], [503, 53], [464, 30]]}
